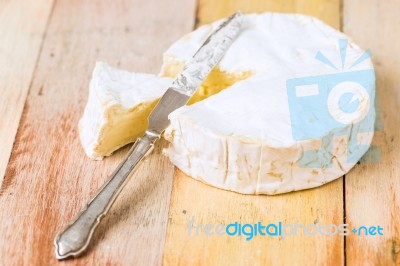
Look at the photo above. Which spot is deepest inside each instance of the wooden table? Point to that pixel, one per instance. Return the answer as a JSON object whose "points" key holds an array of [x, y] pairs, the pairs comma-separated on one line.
{"points": [[47, 52]]}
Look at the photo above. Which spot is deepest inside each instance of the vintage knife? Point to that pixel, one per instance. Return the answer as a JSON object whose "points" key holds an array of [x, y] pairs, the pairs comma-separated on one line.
{"points": [[75, 237]]}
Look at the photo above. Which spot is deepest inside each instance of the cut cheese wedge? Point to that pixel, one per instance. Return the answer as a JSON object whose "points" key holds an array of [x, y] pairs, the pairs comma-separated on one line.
{"points": [[289, 107], [117, 109]]}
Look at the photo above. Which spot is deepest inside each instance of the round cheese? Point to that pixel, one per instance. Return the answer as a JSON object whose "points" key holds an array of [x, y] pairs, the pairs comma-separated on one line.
{"points": [[297, 112]]}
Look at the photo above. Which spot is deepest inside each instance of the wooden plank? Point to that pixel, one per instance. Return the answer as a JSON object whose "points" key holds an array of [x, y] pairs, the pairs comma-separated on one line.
{"points": [[326, 10], [49, 178], [373, 189], [206, 205], [19, 48]]}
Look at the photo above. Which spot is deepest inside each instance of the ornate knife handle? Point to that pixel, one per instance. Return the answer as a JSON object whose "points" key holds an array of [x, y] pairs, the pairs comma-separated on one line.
{"points": [[75, 237]]}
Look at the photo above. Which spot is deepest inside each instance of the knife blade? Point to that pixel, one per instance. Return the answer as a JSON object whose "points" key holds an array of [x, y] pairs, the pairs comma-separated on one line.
{"points": [[75, 237]]}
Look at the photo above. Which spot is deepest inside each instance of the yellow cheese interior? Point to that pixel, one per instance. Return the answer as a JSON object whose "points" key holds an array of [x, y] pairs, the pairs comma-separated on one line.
{"points": [[125, 126]]}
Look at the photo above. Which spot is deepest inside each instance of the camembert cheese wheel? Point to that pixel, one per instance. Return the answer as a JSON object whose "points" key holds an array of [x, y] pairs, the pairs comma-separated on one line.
{"points": [[289, 107]]}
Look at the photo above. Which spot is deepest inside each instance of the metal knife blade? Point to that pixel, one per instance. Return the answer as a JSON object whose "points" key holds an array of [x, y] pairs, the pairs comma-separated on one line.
{"points": [[75, 237], [195, 71]]}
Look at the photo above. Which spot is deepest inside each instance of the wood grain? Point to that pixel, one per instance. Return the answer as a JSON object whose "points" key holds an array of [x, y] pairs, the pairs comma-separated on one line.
{"points": [[19, 49], [202, 204], [373, 189], [49, 178], [327, 10], [206, 205], [52, 50]]}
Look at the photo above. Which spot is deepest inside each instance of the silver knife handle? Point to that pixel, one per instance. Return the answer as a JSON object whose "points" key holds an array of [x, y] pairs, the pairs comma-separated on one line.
{"points": [[75, 237]]}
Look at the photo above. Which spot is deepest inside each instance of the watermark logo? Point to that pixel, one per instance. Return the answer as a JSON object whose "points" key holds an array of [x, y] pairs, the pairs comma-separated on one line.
{"points": [[279, 229], [320, 105]]}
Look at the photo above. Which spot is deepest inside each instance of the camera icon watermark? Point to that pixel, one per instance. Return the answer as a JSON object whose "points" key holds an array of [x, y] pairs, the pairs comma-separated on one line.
{"points": [[325, 106]]}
